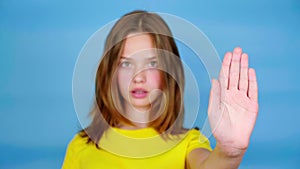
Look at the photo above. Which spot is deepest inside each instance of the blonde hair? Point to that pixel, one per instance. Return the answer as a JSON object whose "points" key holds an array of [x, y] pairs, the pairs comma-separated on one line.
{"points": [[105, 113]]}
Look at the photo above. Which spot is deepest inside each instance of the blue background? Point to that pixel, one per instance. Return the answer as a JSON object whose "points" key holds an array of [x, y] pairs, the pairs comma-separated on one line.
{"points": [[40, 42]]}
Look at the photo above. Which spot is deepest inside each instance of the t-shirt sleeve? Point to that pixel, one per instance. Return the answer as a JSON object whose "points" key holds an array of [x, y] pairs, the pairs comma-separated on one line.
{"points": [[71, 160], [197, 140]]}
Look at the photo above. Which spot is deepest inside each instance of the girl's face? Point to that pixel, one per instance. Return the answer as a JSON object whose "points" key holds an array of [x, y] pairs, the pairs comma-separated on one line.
{"points": [[139, 80]]}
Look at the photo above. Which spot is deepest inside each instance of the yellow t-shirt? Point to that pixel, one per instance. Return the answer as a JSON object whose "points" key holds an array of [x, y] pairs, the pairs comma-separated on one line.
{"points": [[133, 149]]}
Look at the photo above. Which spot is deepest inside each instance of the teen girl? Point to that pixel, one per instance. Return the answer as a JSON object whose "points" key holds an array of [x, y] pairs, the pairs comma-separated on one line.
{"points": [[137, 120]]}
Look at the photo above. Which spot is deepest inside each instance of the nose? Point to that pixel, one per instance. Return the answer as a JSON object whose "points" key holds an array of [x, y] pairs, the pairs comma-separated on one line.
{"points": [[140, 77]]}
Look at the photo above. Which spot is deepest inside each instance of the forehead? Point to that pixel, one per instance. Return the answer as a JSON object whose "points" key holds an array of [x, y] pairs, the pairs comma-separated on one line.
{"points": [[136, 43]]}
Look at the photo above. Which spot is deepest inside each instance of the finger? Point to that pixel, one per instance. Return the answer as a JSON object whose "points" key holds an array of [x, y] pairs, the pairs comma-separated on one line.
{"points": [[253, 90], [214, 99], [234, 72], [243, 81], [223, 77]]}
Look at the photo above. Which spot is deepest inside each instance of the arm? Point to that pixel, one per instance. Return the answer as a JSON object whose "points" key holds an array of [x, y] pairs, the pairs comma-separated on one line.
{"points": [[71, 160], [232, 112], [204, 159]]}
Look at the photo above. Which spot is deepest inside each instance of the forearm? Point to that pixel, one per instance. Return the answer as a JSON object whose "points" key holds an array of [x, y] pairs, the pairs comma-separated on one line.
{"points": [[220, 159]]}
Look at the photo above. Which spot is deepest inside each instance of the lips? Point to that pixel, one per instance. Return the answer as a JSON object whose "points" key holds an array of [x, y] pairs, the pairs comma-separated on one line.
{"points": [[139, 93]]}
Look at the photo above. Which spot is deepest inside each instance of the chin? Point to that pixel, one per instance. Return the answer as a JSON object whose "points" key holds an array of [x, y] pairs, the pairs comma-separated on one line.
{"points": [[139, 106]]}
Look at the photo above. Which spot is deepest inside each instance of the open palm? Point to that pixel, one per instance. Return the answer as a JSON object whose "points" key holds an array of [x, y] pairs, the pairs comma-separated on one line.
{"points": [[233, 104]]}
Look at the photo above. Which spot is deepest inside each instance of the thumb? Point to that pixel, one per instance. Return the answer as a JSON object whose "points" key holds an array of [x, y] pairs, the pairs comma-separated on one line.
{"points": [[215, 96]]}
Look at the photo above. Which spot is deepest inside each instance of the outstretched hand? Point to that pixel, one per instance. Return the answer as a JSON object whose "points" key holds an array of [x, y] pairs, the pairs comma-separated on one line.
{"points": [[233, 104]]}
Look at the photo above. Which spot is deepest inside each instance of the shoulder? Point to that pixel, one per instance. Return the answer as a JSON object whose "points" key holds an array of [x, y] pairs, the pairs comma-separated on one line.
{"points": [[195, 133], [73, 152], [77, 144], [197, 140]]}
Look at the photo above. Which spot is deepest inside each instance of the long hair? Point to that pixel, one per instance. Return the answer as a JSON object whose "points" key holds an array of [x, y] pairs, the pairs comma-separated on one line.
{"points": [[105, 113]]}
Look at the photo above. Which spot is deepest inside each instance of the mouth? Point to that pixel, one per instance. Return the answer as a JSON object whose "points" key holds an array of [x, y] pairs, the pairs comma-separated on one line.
{"points": [[139, 93]]}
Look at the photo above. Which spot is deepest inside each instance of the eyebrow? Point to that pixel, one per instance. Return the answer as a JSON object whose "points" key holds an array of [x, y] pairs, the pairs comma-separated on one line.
{"points": [[152, 58], [127, 58]]}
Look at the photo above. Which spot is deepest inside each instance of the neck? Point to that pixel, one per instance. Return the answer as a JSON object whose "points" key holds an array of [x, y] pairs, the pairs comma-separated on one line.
{"points": [[139, 117]]}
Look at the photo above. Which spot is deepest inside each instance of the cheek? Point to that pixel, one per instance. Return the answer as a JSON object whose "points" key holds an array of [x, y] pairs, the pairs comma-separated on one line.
{"points": [[155, 79], [124, 79]]}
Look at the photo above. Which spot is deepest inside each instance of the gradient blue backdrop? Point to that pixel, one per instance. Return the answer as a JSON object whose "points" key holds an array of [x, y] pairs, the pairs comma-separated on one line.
{"points": [[40, 42]]}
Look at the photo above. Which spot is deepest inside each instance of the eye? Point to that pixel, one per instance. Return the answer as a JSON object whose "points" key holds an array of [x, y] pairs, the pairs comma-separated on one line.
{"points": [[125, 64], [153, 64]]}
